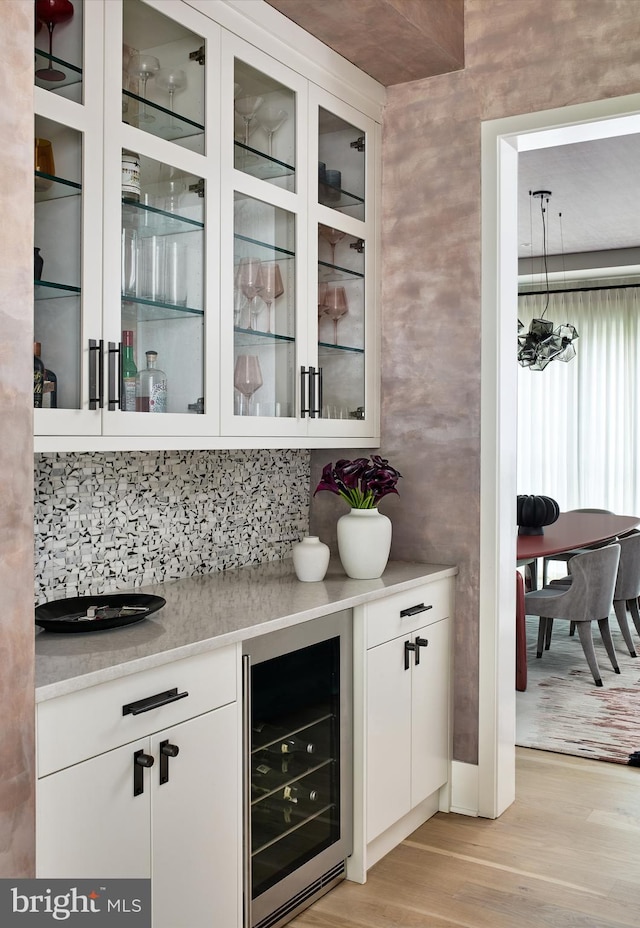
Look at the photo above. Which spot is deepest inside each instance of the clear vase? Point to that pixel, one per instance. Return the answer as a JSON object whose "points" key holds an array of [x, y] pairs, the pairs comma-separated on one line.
{"points": [[310, 559], [364, 543]]}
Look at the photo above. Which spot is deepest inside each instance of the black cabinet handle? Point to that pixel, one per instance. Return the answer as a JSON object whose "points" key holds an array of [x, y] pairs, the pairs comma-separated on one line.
{"points": [[316, 394], [420, 643], [167, 750], [96, 374], [115, 375], [304, 403], [408, 647], [414, 610], [140, 761], [153, 702]]}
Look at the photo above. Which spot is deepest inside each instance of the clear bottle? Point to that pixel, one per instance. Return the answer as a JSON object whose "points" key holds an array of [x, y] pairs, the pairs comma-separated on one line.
{"points": [[129, 372], [151, 386]]}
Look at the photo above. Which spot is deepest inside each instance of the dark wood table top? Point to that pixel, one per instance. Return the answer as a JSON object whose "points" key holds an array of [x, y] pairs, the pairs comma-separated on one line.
{"points": [[574, 530]]}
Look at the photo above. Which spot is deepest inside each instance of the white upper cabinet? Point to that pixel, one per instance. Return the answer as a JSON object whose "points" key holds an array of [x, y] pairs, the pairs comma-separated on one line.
{"points": [[205, 222]]}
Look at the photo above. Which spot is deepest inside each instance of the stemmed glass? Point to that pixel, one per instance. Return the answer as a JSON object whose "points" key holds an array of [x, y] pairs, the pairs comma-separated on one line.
{"points": [[247, 107], [333, 236], [251, 285], [322, 295], [336, 305], [171, 80], [270, 119], [247, 378], [52, 13], [270, 280], [143, 67]]}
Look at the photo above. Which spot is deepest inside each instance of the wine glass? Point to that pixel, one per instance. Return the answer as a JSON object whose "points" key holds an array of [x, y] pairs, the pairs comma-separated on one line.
{"points": [[270, 280], [333, 236], [143, 67], [52, 13], [247, 107], [251, 285], [336, 305], [270, 119], [322, 309], [247, 378], [240, 303], [171, 80]]}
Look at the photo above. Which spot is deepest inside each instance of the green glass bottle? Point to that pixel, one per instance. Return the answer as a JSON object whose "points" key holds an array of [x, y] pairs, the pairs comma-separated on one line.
{"points": [[129, 372]]}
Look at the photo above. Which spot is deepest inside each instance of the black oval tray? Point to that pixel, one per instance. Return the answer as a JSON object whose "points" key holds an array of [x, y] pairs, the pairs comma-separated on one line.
{"points": [[70, 615]]}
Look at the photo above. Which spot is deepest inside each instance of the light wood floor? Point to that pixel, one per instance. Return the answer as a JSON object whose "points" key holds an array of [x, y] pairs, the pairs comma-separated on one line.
{"points": [[566, 854]]}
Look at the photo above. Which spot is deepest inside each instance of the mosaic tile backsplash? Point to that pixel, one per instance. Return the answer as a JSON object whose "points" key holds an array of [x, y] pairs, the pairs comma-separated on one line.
{"points": [[114, 520]]}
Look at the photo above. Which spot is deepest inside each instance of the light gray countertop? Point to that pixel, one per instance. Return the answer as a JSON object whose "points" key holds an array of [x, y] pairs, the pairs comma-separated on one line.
{"points": [[207, 612]]}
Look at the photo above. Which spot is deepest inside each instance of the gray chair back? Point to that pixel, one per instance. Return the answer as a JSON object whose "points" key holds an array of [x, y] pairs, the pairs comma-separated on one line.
{"points": [[628, 581], [590, 596]]}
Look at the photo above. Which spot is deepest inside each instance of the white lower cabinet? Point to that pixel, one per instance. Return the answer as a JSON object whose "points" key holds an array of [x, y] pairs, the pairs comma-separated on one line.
{"points": [[402, 699], [165, 806]]}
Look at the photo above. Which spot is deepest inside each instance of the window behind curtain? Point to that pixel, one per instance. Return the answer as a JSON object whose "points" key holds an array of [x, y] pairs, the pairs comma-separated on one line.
{"points": [[579, 422]]}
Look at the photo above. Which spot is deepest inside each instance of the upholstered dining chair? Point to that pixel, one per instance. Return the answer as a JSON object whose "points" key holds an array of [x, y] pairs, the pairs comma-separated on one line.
{"points": [[587, 599], [567, 555]]}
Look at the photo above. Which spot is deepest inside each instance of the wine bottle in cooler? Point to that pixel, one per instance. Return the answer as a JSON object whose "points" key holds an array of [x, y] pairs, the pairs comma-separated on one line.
{"points": [[281, 742], [151, 386], [129, 372]]}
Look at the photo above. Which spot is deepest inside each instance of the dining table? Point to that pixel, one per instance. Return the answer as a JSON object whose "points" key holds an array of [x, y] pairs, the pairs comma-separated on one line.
{"points": [[571, 530]]}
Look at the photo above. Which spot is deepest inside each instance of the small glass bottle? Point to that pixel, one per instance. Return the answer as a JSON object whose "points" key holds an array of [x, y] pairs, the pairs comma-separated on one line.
{"points": [[151, 386], [38, 376], [129, 372]]}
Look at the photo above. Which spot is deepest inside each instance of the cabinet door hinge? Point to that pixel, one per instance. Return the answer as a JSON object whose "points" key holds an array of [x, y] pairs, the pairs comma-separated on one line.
{"points": [[358, 144], [198, 55], [358, 245], [198, 187]]}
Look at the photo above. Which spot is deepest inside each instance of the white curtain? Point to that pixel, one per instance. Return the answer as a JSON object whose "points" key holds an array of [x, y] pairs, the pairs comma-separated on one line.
{"points": [[579, 422]]}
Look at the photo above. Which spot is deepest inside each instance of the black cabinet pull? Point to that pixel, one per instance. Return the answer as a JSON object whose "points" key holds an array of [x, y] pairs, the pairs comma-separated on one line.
{"points": [[153, 702], [304, 403], [167, 750], [140, 761], [420, 643], [115, 376], [315, 401], [96, 374], [408, 647], [414, 610]]}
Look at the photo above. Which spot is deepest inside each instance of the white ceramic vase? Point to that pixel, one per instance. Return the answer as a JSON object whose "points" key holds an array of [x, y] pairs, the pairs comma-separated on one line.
{"points": [[364, 542], [310, 559]]}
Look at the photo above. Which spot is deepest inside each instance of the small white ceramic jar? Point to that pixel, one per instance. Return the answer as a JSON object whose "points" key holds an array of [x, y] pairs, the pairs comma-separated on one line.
{"points": [[310, 559]]}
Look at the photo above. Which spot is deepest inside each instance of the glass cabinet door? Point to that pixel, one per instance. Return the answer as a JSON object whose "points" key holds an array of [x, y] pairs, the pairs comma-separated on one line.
{"points": [[161, 365], [341, 165], [264, 309], [58, 47], [57, 265], [163, 76], [341, 323], [264, 127]]}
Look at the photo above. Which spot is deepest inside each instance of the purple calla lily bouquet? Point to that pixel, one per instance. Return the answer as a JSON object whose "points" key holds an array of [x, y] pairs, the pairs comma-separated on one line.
{"points": [[362, 483]]}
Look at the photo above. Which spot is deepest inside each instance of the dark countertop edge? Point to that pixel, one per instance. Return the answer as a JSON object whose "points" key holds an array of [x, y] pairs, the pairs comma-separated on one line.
{"points": [[117, 670]]}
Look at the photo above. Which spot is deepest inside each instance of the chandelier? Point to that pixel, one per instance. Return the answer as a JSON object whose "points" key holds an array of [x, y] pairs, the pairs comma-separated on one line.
{"points": [[543, 342]]}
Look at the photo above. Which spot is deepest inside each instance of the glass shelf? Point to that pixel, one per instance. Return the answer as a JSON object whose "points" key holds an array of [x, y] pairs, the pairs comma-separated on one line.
{"points": [[166, 125], [262, 166], [336, 198], [329, 272], [50, 187], [72, 73], [282, 253], [48, 290], [253, 338], [327, 349], [149, 220], [155, 310]]}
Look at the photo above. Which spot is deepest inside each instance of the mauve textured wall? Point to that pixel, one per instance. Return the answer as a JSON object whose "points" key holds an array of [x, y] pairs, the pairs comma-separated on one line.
{"points": [[521, 56], [17, 765]]}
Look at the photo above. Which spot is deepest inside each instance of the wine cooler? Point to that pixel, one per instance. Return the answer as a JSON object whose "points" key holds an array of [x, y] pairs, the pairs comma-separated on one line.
{"points": [[298, 767]]}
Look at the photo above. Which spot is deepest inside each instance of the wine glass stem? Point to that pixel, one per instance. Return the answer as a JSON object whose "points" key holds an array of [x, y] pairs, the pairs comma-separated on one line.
{"points": [[50, 27], [335, 331], [333, 253], [247, 120], [171, 93], [269, 304], [270, 143], [144, 96]]}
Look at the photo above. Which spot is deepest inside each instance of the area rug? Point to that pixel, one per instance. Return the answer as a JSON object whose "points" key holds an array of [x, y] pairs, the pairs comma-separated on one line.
{"points": [[563, 711]]}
